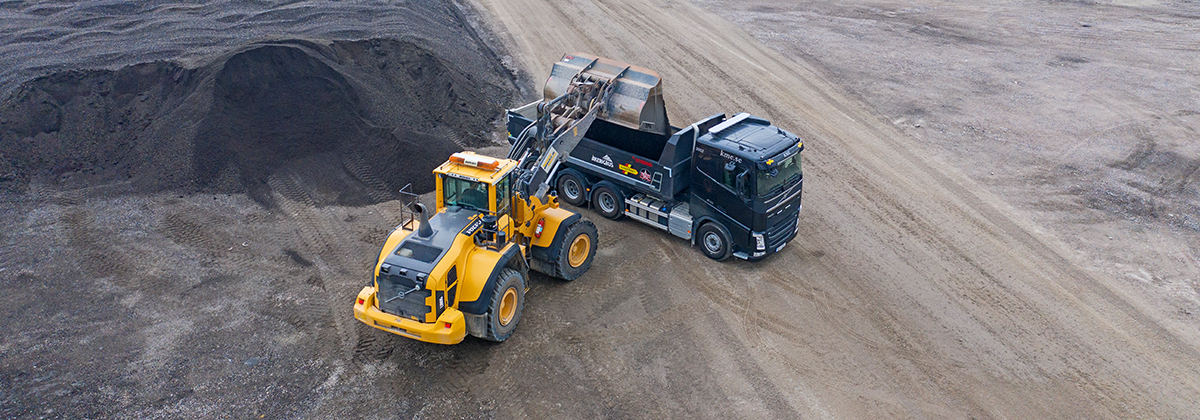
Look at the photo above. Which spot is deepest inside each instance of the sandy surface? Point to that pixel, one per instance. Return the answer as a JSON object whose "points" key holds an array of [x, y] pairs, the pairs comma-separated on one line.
{"points": [[1082, 116], [919, 287], [915, 290]]}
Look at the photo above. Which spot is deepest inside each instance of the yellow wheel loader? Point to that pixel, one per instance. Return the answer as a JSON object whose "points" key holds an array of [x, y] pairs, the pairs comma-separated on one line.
{"points": [[464, 269]]}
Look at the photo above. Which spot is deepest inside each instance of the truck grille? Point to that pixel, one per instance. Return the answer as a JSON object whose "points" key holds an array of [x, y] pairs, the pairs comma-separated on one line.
{"points": [[781, 230], [410, 306]]}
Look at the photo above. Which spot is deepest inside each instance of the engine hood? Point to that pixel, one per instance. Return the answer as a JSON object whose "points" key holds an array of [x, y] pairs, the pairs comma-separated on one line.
{"points": [[419, 254]]}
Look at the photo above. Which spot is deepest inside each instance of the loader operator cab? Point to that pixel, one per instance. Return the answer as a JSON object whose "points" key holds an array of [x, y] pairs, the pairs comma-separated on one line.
{"points": [[475, 182], [479, 184]]}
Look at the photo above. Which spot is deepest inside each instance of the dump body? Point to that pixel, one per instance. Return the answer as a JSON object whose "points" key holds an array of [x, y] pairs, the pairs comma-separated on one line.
{"points": [[653, 164]]}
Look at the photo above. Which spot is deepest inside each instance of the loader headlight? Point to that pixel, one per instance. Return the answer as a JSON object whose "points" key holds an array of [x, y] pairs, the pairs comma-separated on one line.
{"points": [[759, 241]]}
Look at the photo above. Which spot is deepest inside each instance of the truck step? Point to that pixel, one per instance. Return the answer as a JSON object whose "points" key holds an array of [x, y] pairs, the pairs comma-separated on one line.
{"points": [[680, 221]]}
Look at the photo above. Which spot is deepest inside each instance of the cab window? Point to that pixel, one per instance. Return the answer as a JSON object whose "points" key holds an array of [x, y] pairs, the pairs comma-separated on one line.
{"points": [[729, 175], [461, 192], [502, 196], [784, 173]]}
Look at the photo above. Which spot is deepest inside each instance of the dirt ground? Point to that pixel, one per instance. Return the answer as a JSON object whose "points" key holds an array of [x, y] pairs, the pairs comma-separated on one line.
{"points": [[1000, 222]]}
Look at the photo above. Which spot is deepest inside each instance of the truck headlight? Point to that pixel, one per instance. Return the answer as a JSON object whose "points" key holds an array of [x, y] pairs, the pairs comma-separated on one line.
{"points": [[759, 241]]}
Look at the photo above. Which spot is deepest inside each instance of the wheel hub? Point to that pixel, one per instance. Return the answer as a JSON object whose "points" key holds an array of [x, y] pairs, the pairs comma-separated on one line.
{"points": [[578, 252], [571, 189], [607, 203], [712, 242], [508, 306]]}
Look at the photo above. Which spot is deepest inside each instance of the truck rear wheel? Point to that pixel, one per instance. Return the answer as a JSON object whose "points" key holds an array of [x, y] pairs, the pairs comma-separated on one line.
{"points": [[507, 301], [577, 250], [714, 241], [571, 188], [608, 200]]}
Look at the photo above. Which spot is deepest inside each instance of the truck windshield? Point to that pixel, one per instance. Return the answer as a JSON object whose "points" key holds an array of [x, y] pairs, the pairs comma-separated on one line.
{"points": [[772, 180], [460, 192]]}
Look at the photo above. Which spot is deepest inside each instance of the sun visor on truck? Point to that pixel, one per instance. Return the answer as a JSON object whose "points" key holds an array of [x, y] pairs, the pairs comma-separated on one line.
{"points": [[636, 101]]}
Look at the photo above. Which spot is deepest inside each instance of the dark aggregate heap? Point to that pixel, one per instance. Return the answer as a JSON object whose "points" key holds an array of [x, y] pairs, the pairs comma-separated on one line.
{"points": [[355, 120], [219, 96]]}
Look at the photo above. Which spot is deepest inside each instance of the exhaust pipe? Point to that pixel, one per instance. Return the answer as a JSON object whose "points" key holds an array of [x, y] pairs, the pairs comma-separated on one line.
{"points": [[424, 230]]}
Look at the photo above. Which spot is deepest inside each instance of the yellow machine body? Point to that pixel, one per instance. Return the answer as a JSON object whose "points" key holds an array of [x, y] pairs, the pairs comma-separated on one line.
{"points": [[465, 267]]}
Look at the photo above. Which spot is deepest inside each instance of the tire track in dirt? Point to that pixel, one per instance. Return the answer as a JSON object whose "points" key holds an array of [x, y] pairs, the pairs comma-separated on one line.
{"points": [[106, 260], [377, 189], [319, 241]]}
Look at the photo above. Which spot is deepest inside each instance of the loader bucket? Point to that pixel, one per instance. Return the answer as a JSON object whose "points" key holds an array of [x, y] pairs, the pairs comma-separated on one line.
{"points": [[636, 100]]}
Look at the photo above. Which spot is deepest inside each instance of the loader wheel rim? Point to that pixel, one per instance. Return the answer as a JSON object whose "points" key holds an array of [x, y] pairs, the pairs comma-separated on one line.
{"points": [[579, 250], [571, 189], [712, 242], [508, 306]]}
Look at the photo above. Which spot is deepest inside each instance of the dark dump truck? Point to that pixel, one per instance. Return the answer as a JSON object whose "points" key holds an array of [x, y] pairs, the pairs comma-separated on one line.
{"points": [[730, 184]]}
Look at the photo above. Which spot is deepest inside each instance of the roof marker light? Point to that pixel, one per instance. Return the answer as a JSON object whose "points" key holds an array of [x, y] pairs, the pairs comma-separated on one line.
{"points": [[471, 159]]}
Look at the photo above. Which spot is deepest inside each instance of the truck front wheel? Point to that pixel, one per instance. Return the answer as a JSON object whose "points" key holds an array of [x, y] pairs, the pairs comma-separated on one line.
{"points": [[571, 188], [608, 200], [714, 241], [507, 301]]}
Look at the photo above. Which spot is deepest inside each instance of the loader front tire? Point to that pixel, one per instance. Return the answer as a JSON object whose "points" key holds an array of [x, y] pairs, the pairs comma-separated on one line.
{"points": [[508, 299], [577, 250]]}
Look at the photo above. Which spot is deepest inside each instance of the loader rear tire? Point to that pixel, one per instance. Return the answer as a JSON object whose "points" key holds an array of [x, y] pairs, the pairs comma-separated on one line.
{"points": [[577, 250], [508, 299]]}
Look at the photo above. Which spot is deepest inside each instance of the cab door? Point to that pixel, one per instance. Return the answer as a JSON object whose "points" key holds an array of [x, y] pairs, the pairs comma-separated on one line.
{"points": [[502, 205]]}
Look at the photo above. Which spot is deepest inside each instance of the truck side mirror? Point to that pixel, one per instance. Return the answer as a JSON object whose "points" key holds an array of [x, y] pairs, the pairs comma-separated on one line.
{"points": [[742, 187]]}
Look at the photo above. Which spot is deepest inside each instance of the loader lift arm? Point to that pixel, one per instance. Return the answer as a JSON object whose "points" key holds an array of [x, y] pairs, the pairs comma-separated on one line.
{"points": [[561, 123]]}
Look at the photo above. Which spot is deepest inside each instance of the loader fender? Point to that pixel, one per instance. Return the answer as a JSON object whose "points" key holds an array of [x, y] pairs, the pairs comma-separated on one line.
{"points": [[543, 256], [556, 219], [482, 270]]}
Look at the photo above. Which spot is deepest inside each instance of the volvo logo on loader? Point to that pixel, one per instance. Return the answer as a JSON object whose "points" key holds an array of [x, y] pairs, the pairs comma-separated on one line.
{"points": [[474, 226]]}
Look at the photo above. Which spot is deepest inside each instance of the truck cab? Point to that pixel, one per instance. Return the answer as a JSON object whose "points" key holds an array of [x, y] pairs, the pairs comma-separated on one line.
{"points": [[746, 176]]}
